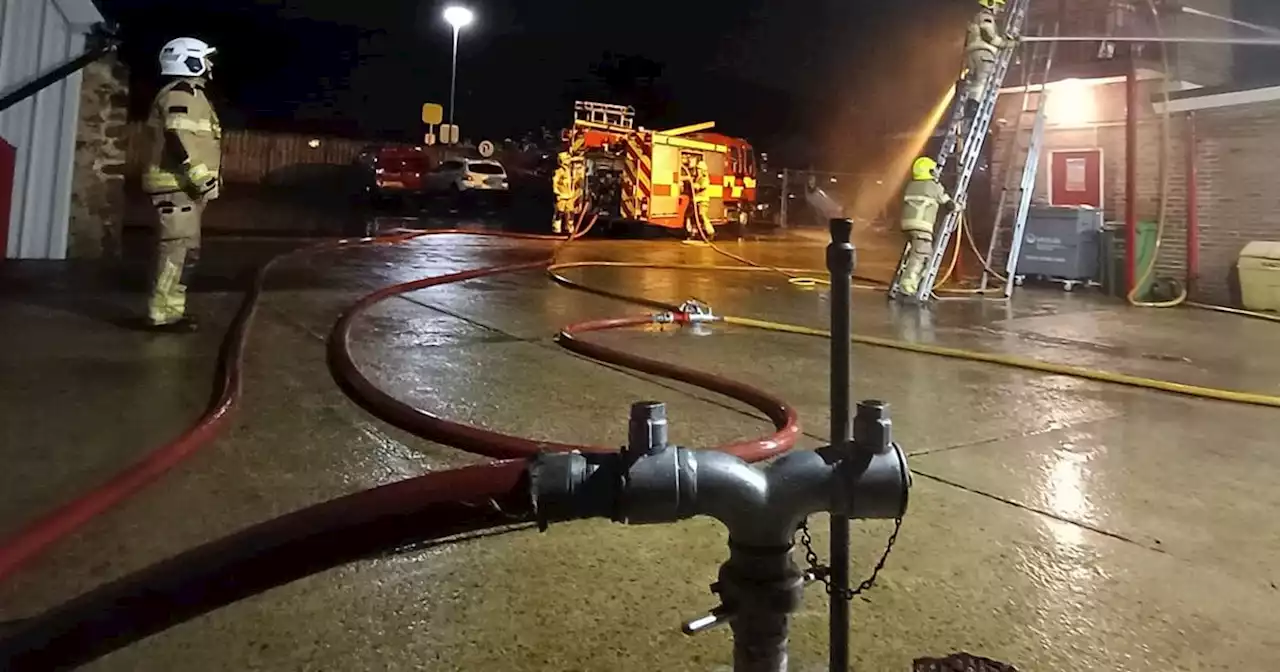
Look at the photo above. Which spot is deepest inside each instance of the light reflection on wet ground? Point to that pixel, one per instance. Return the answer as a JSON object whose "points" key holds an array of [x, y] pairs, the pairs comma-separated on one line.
{"points": [[1057, 524]]}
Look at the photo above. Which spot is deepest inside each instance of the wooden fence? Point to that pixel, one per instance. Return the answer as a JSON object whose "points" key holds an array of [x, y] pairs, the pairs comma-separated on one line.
{"points": [[253, 157]]}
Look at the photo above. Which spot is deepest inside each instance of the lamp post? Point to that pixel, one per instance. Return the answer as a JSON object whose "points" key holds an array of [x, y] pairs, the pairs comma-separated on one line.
{"points": [[458, 17]]}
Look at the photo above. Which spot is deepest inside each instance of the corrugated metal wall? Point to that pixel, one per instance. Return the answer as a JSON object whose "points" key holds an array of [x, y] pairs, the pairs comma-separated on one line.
{"points": [[36, 36]]}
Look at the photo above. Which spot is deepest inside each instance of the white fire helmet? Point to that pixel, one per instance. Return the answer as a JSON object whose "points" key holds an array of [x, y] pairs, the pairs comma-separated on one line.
{"points": [[186, 57]]}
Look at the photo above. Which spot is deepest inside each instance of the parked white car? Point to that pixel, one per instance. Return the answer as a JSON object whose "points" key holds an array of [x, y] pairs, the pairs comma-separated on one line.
{"points": [[465, 175]]}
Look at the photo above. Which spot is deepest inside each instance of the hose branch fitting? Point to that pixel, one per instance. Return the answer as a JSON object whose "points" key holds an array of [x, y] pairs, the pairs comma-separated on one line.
{"points": [[690, 313], [651, 482]]}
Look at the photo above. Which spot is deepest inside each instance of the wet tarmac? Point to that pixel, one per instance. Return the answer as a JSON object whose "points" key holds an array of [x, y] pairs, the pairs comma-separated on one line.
{"points": [[1056, 524]]}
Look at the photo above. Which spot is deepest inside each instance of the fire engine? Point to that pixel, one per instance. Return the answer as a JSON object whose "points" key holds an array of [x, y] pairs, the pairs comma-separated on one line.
{"points": [[635, 173]]}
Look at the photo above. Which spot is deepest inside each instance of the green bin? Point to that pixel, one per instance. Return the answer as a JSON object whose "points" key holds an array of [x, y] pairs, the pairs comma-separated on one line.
{"points": [[1112, 270]]}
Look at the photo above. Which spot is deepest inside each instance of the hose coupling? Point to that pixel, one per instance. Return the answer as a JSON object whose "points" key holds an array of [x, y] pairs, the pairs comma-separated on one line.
{"points": [[695, 311]]}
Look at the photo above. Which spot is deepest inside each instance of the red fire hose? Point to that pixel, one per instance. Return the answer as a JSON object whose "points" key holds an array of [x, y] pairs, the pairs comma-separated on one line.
{"points": [[39, 534], [780, 412], [278, 551], [426, 508], [472, 439], [43, 532]]}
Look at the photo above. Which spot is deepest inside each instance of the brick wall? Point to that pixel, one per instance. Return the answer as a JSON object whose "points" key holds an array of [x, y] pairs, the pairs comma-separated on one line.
{"points": [[1239, 190], [1239, 195], [98, 191]]}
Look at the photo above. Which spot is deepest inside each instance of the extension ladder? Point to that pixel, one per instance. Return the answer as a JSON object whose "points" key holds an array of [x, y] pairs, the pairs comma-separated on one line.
{"points": [[1018, 194], [970, 155]]}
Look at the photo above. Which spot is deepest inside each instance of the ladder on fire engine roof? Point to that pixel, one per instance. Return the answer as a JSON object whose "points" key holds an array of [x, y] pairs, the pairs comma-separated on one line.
{"points": [[606, 114], [970, 154]]}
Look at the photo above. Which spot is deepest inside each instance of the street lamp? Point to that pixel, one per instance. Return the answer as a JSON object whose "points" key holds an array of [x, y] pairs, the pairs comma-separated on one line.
{"points": [[458, 17]]}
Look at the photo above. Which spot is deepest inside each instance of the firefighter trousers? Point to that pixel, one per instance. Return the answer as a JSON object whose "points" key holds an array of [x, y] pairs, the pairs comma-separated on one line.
{"points": [[919, 254], [980, 63], [178, 251], [700, 218], [564, 215]]}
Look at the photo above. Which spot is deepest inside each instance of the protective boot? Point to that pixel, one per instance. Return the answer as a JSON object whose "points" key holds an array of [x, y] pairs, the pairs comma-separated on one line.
{"points": [[704, 220], [921, 250], [185, 325], [556, 226]]}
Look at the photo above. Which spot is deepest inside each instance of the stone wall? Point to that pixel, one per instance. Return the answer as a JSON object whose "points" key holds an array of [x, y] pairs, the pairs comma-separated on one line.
{"points": [[98, 177]]}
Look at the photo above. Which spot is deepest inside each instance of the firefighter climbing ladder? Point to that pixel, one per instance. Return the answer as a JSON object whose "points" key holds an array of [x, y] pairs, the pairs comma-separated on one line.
{"points": [[970, 154]]}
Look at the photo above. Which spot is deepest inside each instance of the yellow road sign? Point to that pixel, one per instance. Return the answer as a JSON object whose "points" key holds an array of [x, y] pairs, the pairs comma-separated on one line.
{"points": [[432, 113]]}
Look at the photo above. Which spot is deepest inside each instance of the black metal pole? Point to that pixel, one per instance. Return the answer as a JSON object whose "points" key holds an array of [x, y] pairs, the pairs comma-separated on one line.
{"points": [[53, 76], [840, 261]]}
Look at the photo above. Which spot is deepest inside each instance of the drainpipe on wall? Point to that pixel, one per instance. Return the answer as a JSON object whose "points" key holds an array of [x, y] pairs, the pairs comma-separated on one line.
{"points": [[8, 154], [1131, 173], [1193, 205]]}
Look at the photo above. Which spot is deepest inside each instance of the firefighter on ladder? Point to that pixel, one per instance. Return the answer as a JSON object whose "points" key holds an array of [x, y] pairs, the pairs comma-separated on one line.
{"points": [[567, 186], [698, 177], [923, 197], [983, 41], [181, 177]]}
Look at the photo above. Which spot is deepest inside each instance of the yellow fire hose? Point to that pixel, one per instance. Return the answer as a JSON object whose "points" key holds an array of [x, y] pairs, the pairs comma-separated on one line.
{"points": [[810, 278], [1219, 394]]}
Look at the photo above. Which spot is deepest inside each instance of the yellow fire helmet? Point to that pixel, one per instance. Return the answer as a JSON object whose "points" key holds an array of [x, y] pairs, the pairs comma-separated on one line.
{"points": [[991, 4], [923, 168], [563, 157]]}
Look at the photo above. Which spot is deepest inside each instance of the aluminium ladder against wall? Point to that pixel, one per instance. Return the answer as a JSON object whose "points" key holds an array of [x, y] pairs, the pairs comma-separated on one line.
{"points": [[1019, 195], [970, 154]]}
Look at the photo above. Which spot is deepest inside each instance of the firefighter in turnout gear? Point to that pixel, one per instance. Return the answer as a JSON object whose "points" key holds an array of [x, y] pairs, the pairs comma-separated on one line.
{"points": [[983, 41], [563, 184], [698, 177], [923, 197], [182, 175]]}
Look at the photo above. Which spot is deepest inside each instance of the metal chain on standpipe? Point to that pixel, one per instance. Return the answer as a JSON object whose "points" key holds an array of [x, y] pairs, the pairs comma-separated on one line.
{"points": [[821, 572]]}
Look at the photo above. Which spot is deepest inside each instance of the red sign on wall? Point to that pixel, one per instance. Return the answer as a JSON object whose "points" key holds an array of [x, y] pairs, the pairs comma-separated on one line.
{"points": [[8, 154], [1075, 177]]}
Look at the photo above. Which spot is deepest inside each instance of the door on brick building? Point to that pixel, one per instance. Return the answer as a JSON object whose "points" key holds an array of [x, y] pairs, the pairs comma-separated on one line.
{"points": [[1075, 177]]}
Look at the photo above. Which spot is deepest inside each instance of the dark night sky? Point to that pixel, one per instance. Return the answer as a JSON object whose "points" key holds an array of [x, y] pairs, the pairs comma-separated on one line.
{"points": [[363, 67]]}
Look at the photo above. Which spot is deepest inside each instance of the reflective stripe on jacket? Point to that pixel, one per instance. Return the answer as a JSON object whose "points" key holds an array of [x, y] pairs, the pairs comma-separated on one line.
{"points": [[561, 184], [702, 186], [983, 34], [185, 140], [920, 205]]}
